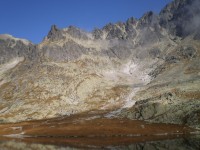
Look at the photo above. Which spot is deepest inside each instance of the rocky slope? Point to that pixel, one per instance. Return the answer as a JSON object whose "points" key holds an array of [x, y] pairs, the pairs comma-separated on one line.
{"points": [[145, 68]]}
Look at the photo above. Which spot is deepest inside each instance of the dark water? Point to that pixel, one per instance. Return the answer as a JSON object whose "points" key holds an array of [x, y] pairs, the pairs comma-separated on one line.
{"points": [[186, 143]]}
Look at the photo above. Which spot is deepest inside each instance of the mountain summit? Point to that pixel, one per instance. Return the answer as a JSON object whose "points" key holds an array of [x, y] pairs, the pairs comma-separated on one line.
{"points": [[144, 69]]}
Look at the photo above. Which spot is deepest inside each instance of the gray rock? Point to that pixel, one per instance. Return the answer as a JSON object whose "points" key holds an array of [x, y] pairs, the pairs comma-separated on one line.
{"points": [[197, 35], [130, 28], [69, 51], [149, 19], [77, 33], [11, 48], [188, 52], [181, 17], [159, 69], [171, 59], [155, 52], [121, 50], [148, 36], [55, 33], [97, 33], [113, 32]]}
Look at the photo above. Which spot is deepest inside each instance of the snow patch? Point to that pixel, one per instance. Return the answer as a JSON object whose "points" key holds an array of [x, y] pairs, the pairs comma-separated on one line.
{"points": [[129, 68]]}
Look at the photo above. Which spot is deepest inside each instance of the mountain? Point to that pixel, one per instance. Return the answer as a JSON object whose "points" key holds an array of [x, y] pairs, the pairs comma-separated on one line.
{"points": [[181, 18], [145, 69]]}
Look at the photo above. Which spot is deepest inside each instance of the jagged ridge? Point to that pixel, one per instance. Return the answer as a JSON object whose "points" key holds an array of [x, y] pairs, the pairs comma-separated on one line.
{"points": [[143, 68]]}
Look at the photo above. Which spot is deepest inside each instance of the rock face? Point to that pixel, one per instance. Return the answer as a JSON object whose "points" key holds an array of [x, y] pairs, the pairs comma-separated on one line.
{"points": [[13, 47], [181, 17], [145, 68]]}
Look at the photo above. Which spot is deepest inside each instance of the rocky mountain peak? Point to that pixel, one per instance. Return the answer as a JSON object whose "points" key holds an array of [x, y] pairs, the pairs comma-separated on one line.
{"points": [[131, 21], [149, 19], [54, 29], [113, 31], [181, 17], [97, 33], [76, 32], [132, 63], [55, 33]]}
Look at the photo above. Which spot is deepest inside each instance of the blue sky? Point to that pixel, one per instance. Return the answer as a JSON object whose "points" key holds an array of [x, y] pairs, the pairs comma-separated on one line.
{"points": [[32, 19]]}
